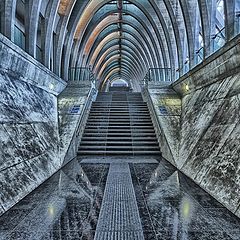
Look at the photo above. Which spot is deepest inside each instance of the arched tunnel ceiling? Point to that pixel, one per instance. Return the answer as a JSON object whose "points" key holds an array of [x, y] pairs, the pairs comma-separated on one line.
{"points": [[124, 38]]}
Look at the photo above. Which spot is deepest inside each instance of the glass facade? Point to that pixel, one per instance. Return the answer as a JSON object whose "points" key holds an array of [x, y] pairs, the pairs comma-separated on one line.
{"points": [[19, 38], [39, 54], [80, 74], [159, 74]]}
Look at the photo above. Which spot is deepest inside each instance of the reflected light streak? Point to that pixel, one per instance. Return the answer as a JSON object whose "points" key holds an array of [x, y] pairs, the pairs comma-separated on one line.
{"points": [[51, 210], [187, 209]]}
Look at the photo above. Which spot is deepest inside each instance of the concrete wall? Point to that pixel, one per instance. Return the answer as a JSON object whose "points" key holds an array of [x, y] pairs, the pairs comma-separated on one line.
{"points": [[29, 134], [168, 110], [209, 141], [71, 103], [36, 123]]}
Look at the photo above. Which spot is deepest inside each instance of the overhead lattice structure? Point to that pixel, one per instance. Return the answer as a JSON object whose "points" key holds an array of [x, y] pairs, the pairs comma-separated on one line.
{"points": [[120, 39]]}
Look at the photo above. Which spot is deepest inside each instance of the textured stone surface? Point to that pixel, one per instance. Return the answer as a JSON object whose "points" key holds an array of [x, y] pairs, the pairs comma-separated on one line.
{"points": [[171, 206], [29, 138], [70, 107], [31, 127], [168, 108], [20, 65], [210, 141], [68, 205], [209, 145]]}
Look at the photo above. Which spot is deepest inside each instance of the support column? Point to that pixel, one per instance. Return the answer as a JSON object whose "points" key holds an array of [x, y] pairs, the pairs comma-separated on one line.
{"points": [[229, 11], [9, 12], [31, 24]]}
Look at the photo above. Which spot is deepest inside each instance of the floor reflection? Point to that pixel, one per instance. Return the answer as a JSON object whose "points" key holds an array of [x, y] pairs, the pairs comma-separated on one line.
{"points": [[67, 206], [173, 207], [64, 207]]}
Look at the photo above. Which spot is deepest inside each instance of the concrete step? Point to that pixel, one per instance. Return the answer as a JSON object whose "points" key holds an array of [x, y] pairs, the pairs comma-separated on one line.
{"points": [[119, 118], [107, 102], [116, 127], [106, 109], [121, 138], [117, 121], [120, 148], [121, 114], [115, 111], [118, 143], [111, 117], [120, 124], [119, 153], [119, 134], [118, 104], [119, 131], [118, 108], [113, 122]]}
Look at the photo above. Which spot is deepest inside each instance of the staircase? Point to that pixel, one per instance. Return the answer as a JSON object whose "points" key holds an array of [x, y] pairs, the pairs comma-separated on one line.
{"points": [[119, 123], [119, 89]]}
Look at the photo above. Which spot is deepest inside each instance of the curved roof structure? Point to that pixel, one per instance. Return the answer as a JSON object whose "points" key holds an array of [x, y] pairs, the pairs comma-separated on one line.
{"points": [[121, 38]]}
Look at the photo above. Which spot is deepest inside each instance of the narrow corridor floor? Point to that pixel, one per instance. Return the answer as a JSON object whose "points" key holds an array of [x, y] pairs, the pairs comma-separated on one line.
{"points": [[119, 198], [119, 217]]}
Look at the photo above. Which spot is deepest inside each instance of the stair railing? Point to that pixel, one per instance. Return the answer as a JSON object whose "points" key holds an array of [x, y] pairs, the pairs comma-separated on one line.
{"points": [[156, 75]]}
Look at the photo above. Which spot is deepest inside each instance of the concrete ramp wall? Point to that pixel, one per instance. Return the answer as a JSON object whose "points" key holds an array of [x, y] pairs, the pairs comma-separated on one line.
{"points": [[207, 148], [32, 143]]}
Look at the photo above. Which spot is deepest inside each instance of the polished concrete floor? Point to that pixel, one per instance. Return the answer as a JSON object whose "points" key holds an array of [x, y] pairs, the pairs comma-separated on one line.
{"points": [[119, 198]]}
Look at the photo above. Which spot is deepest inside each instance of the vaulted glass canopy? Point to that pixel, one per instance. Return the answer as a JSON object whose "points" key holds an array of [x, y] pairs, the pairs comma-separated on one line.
{"points": [[123, 38]]}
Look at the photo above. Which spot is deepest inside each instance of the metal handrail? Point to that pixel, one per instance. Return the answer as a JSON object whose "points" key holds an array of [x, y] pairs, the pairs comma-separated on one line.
{"points": [[158, 75], [80, 74]]}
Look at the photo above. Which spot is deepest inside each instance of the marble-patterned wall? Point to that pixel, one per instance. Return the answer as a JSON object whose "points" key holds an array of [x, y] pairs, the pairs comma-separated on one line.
{"points": [[168, 109], [209, 138], [71, 104], [29, 137], [20, 65]]}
